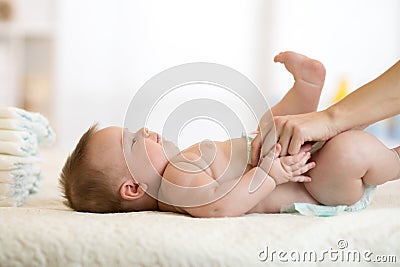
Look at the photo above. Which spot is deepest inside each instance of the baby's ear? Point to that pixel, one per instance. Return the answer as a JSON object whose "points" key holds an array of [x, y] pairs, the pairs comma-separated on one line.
{"points": [[130, 190]]}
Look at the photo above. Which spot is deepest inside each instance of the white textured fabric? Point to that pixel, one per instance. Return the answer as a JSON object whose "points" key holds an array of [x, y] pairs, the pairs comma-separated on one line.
{"points": [[44, 232]]}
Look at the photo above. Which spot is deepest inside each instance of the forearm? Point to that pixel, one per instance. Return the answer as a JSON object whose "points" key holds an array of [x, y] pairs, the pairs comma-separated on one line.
{"points": [[235, 197], [376, 100]]}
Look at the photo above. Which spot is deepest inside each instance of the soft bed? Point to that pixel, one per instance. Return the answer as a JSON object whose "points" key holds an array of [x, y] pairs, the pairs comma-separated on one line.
{"points": [[44, 232]]}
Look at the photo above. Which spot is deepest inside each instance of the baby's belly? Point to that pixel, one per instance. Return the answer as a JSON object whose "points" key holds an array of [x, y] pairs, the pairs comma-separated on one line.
{"points": [[285, 194]]}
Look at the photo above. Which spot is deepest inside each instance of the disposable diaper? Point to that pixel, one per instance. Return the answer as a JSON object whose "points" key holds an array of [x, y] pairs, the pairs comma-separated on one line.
{"points": [[17, 136], [326, 211], [21, 133], [15, 200], [20, 174], [17, 184], [23, 149], [17, 187], [12, 118], [8, 162]]}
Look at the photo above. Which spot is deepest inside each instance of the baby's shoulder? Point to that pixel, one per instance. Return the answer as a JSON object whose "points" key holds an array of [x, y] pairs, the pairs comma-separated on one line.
{"points": [[181, 175], [187, 162], [184, 165]]}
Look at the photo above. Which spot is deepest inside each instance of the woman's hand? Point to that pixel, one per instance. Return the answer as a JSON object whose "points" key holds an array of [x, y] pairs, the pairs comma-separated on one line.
{"points": [[293, 131], [289, 168]]}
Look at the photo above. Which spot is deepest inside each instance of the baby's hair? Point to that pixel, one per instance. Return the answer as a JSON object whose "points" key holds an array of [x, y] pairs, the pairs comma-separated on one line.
{"points": [[86, 188]]}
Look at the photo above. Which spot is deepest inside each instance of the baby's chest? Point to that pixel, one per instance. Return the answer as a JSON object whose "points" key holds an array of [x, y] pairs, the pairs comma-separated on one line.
{"points": [[220, 160], [229, 166]]}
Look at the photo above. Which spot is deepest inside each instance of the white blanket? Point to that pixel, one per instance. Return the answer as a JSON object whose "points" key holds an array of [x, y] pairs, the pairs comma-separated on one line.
{"points": [[44, 232]]}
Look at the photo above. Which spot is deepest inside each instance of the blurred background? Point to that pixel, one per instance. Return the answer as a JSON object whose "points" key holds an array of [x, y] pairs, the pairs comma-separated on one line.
{"points": [[81, 61]]}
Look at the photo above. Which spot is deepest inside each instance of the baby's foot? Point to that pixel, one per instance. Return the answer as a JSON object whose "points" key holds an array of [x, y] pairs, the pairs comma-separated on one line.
{"points": [[303, 69]]}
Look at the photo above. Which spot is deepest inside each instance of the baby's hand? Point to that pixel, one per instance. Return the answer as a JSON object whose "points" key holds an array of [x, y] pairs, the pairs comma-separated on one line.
{"points": [[288, 168]]}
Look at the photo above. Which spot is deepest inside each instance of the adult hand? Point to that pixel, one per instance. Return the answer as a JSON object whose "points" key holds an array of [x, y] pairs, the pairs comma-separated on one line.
{"points": [[293, 131], [290, 129]]}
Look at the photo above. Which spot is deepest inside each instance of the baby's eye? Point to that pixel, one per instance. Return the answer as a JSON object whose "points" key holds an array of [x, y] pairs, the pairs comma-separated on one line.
{"points": [[133, 142]]}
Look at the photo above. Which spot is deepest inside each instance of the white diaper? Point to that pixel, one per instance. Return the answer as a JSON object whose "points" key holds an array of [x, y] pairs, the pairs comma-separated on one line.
{"points": [[21, 133], [326, 211], [23, 149], [8, 162], [12, 118]]}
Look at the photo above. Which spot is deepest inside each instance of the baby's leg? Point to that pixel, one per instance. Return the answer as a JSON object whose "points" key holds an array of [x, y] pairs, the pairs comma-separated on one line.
{"points": [[309, 77], [346, 163]]}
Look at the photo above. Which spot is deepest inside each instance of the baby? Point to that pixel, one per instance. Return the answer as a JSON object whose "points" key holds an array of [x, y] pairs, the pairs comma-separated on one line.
{"points": [[214, 179]]}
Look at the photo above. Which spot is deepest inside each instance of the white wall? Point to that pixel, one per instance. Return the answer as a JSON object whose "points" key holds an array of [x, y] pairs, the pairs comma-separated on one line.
{"points": [[354, 39], [107, 49]]}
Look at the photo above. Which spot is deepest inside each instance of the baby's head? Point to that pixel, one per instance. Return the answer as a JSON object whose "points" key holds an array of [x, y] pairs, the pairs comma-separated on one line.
{"points": [[96, 176]]}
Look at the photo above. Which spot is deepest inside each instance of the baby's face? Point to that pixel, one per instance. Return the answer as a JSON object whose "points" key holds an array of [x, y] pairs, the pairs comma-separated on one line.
{"points": [[141, 153], [144, 153]]}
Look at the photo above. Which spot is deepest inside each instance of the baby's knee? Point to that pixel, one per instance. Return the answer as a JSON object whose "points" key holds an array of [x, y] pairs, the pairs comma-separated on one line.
{"points": [[355, 139], [353, 146]]}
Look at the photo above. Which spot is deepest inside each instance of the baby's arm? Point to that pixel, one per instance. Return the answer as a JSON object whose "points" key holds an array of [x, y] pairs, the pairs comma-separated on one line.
{"points": [[193, 189], [232, 197]]}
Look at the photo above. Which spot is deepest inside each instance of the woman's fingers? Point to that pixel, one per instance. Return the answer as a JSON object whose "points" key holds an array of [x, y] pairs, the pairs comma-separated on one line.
{"points": [[295, 130], [295, 142], [283, 134]]}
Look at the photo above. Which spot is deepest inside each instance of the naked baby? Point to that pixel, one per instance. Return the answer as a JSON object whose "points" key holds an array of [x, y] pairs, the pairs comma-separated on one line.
{"points": [[114, 170]]}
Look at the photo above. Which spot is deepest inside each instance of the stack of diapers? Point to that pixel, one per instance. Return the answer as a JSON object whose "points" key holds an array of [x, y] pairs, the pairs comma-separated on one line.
{"points": [[21, 134]]}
